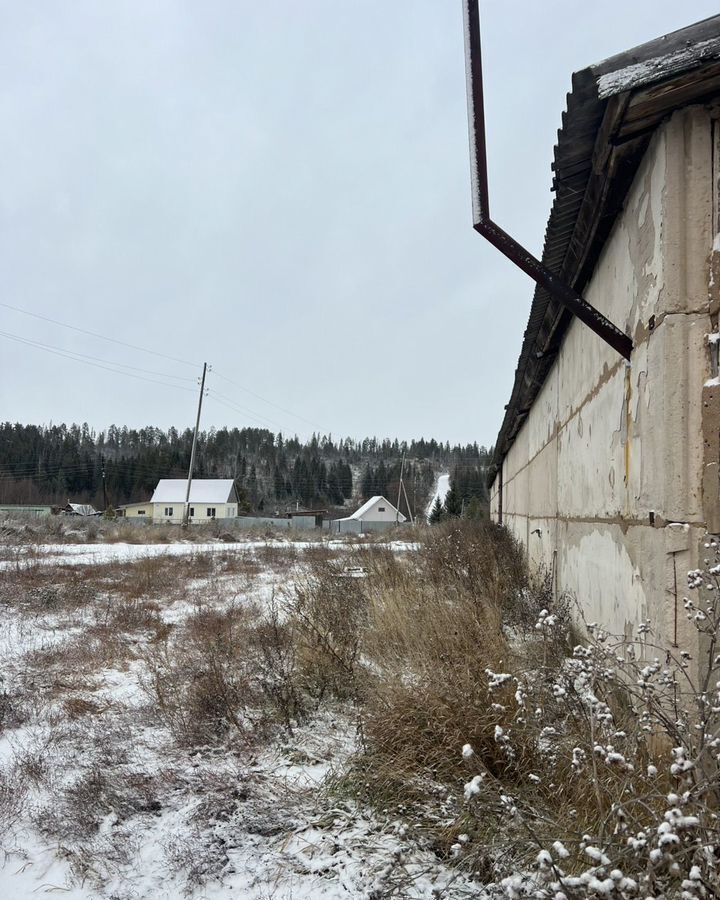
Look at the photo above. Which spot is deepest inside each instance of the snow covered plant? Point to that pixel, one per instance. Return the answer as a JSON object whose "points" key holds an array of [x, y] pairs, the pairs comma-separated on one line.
{"points": [[618, 794]]}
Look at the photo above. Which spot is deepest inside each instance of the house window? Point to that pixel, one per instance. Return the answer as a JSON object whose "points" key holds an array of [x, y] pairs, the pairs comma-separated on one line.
{"points": [[168, 510], [141, 512], [192, 510], [211, 512], [381, 509]]}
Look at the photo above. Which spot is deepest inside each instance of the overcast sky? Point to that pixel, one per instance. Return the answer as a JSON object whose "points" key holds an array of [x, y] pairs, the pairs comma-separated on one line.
{"points": [[281, 189]]}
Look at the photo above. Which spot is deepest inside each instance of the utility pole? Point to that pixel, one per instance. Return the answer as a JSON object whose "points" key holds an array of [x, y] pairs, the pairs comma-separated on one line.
{"points": [[407, 503], [102, 460], [400, 487], [186, 513]]}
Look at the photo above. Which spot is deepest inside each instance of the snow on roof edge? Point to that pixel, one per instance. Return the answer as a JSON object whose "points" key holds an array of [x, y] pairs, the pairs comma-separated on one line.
{"points": [[202, 490], [358, 514]]}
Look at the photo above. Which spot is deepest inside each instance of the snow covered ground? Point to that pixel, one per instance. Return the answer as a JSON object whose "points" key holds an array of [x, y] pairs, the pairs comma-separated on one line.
{"points": [[98, 554], [97, 797], [441, 489]]}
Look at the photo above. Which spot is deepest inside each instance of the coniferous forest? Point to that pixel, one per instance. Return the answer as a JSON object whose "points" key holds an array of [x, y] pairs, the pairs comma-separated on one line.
{"points": [[56, 463]]}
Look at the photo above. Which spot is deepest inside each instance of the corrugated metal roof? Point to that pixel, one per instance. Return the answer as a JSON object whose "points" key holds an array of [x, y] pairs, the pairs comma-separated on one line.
{"points": [[82, 509], [202, 490], [600, 145]]}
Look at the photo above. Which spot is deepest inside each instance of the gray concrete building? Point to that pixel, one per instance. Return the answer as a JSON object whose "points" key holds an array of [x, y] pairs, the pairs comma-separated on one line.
{"points": [[607, 469]]}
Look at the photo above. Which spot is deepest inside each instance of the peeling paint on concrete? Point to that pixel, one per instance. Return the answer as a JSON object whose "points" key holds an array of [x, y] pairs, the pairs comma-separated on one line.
{"points": [[606, 579], [609, 454]]}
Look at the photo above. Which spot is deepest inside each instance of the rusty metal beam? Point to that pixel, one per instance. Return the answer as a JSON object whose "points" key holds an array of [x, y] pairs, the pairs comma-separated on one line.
{"points": [[484, 225]]}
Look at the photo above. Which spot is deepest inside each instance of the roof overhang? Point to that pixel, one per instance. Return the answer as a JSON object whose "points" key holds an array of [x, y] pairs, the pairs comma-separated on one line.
{"points": [[612, 112]]}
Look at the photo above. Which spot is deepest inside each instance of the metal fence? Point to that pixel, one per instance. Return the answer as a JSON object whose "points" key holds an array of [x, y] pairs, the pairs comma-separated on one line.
{"points": [[297, 522], [356, 526]]}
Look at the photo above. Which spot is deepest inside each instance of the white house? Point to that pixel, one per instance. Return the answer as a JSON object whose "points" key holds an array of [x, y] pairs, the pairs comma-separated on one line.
{"points": [[377, 513], [210, 498]]}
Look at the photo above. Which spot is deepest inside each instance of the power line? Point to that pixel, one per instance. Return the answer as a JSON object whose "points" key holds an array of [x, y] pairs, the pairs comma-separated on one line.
{"points": [[85, 360], [95, 334], [98, 358], [52, 472], [230, 403], [270, 403], [186, 362]]}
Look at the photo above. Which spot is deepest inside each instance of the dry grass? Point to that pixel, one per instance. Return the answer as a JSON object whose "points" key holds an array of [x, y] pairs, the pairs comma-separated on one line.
{"points": [[328, 613], [201, 682], [435, 626], [434, 649]]}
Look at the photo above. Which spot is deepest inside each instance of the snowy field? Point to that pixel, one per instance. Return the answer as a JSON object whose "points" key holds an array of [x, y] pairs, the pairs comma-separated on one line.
{"points": [[98, 554], [106, 790]]}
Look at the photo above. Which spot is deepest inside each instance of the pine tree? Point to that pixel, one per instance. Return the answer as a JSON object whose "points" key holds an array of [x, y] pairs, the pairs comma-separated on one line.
{"points": [[346, 479], [437, 512], [474, 509], [368, 483], [453, 503]]}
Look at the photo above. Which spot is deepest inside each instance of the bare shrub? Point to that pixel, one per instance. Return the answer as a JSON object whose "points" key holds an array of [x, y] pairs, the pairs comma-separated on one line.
{"points": [[77, 707], [623, 801], [276, 556], [275, 641], [201, 681], [128, 614], [45, 589], [429, 650], [75, 811], [328, 611], [477, 558], [67, 666], [148, 576], [13, 711], [237, 562]]}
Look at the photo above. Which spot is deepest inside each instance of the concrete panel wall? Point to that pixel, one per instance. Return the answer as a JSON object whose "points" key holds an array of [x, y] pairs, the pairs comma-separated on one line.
{"points": [[613, 454]]}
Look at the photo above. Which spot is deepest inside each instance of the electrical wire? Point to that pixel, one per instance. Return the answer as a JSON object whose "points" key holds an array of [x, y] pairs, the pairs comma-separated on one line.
{"points": [[102, 337], [118, 368], [82, 358], [271, 403], [231, 404], [46, 474], [100, 363]]}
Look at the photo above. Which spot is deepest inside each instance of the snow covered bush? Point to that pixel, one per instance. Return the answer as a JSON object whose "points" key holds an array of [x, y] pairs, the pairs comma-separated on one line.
{"points": [[619, 789]]}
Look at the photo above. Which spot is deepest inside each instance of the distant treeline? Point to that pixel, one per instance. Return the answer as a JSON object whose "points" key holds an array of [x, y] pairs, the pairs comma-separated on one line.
{"points": [[51, 464]]}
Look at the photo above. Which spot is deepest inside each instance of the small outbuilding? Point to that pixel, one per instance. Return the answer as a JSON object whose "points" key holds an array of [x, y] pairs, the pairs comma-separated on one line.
{"points": [[86, 510], [135, 511], [376, 514]]}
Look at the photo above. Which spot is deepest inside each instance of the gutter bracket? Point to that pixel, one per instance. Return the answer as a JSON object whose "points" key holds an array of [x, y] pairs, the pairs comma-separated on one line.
{"points": [[484, 225]]}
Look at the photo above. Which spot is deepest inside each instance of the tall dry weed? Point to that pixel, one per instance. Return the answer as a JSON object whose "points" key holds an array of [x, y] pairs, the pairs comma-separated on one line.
{"points": [[435, 626]]}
